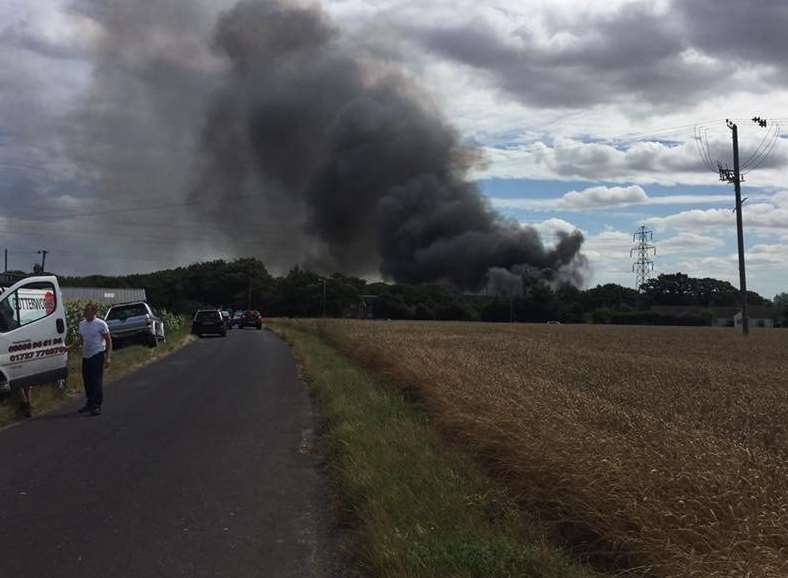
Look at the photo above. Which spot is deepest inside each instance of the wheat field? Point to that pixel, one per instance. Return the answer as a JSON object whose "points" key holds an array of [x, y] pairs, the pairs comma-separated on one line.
{"points": [[661, 450]]}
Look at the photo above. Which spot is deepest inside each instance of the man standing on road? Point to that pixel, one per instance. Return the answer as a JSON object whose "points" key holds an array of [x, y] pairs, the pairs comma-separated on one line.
{"points": [[96, 351]]}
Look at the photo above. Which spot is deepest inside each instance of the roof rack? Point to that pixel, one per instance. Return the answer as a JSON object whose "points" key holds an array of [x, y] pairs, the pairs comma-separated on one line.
{"points": [[11, 278], [130, 302]]}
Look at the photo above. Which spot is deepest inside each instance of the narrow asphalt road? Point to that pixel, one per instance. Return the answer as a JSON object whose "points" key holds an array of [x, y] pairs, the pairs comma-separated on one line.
{"points": [[197, 467]]}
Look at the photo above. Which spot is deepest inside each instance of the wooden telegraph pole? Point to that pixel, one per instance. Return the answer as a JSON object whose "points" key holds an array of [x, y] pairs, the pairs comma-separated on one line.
{"points": [[734, 176]]}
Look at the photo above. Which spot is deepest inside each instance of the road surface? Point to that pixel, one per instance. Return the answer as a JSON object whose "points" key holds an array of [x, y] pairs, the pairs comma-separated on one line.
{"points": [[199, 466]]}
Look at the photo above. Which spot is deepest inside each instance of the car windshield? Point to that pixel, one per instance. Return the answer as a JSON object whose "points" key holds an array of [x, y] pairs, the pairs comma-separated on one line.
{"points": [[208, 315], [124, 311]]}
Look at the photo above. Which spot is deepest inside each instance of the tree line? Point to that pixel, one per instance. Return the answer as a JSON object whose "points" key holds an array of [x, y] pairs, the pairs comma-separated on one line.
{"points": [[247, 283]]}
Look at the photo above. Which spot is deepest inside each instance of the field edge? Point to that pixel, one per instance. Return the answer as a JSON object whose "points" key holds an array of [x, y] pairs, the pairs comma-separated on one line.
{"points": [[415, 506]]}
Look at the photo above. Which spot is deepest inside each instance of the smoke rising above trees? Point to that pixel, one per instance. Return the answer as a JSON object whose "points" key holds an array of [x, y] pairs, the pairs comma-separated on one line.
{"points": [[381, 176], [343, 161]]}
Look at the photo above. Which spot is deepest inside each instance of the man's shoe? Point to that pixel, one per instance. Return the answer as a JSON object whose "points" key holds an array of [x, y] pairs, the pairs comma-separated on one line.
{"points": [[84, 409], [95, 411]]}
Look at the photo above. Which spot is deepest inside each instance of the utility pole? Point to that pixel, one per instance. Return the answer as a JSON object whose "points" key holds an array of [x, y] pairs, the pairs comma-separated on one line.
{"points": [[734, 176], [6, 261], [642, 251], [324, 297], [43, 253]]}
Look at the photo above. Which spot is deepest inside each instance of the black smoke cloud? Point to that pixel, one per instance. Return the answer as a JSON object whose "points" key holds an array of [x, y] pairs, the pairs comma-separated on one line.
{"points": [[344, 149]]}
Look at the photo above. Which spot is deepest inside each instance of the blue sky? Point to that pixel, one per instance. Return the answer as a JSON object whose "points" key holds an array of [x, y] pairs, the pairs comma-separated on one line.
{"points": [[586, 115], [689, 245]]}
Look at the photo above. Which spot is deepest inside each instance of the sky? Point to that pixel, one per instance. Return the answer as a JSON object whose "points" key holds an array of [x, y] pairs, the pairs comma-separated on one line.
{"points": [[597, 116]]}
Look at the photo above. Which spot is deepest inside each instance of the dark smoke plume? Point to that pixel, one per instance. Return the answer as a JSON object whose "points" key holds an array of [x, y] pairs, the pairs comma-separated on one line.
{"points": [[348, 150], [272, 134]]}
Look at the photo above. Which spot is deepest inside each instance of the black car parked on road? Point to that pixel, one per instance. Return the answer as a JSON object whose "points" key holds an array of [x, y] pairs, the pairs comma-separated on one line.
{"points": [[209, 321], [251, 318]]}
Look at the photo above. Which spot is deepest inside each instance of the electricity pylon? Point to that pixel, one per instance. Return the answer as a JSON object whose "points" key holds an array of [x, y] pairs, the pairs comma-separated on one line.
{"points": [[642, 251]]}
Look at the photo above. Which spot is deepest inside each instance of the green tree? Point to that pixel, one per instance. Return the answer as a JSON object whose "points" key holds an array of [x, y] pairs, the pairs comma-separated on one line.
{"points": [[681, 289], [609, 295]]}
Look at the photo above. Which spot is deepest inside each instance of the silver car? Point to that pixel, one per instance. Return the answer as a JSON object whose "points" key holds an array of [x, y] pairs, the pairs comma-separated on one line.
{"points": [[136, 320]]}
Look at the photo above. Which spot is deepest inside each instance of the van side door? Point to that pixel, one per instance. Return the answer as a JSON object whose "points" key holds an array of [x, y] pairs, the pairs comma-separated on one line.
{"points": [[32, 332]]}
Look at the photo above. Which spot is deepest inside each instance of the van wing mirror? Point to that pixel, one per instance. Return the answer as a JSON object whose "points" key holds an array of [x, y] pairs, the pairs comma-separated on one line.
{"points": [[61, 326]]}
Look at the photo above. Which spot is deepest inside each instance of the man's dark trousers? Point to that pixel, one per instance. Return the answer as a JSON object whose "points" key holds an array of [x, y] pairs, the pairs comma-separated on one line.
{"points": [[93, 378]]}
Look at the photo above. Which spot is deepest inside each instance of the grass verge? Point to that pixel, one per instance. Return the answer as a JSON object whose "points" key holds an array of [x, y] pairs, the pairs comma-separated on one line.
{"points": [[124, 361], [417, 508]]}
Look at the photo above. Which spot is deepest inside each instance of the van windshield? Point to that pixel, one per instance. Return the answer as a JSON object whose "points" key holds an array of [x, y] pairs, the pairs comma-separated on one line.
{"points": [[125, 311]]}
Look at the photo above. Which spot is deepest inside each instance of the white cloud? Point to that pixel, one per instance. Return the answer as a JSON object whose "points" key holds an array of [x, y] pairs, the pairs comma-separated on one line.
{"points": [[550, 228], [689, 243], [767, 255], [763, 264], [640, 162], [694, 219], [771, 217], [603, 197], [780, 199], [610, 249], [724, 268]]}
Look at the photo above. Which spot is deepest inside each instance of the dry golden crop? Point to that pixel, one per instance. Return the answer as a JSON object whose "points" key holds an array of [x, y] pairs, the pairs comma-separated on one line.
{"points": [[663, 447]]}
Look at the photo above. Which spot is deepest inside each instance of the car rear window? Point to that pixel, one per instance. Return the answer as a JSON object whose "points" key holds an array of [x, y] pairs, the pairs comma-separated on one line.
{"points": [[123, 311], [208, 315]]}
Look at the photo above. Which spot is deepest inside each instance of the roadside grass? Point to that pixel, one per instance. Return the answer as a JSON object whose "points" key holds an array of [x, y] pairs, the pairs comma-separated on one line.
{"points": [[415, 507], [124, 360]]}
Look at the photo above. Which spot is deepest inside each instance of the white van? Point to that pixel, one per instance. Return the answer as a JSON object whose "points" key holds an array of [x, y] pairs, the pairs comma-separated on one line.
{"points": [[32, 331]]}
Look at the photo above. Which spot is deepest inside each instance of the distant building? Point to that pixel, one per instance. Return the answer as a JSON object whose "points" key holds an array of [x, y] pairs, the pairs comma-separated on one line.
{"points": [[103, 295], [366, 308], [760, 315]]}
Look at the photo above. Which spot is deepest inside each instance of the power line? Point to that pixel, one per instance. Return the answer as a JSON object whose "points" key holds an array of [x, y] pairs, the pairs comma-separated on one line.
{"points": [[766, 152], [123, 256], [762, 146], [702, 143], [611, 141], [34, 229]]}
